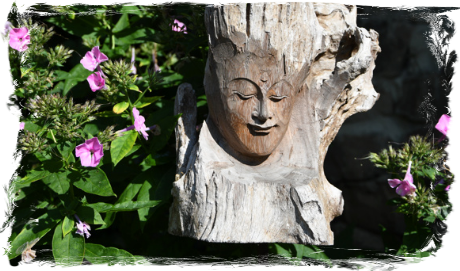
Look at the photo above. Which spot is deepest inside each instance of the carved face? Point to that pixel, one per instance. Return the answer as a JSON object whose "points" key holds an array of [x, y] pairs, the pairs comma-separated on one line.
{"points": [[257, 101]]}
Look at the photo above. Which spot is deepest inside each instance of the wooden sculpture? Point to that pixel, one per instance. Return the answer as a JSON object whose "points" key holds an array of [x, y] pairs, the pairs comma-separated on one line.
{"points": [[280, 80]]}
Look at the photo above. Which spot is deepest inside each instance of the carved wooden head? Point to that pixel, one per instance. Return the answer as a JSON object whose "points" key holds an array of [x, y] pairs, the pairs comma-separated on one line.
{"points": [[255, 104]]}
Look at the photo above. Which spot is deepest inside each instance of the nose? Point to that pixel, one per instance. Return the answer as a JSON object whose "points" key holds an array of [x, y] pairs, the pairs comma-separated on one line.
{"points": [[262, 113]]}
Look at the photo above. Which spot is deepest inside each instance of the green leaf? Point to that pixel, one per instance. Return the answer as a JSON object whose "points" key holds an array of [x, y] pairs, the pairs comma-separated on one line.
{"points": [[94, 181], [122, 206], [32, 176], [3, 74], [134, 87], [131, 10], [120, 107], [77, 74], [89, 215], [31, 127], [121, 146], [420, 248], [98, 254], [25, 70], [32, 231], [154, 188], [67, 225], [3, 94], [71, 15], [122, 23], [68, 250], [58, 182], [7, 144], [67, 149], [145, 101]]}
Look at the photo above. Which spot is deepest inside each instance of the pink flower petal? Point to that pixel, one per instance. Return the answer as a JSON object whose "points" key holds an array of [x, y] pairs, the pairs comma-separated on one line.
{"points": [[405, 188], [89, 61], [21, 125], [90, 152], [449, 126], [85, 159], [100, 57], [408, 176], [394, 182], [179, 26], [96, 82]]}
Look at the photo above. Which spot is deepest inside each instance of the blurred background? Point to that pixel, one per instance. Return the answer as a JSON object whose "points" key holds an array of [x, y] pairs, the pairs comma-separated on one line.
{"points": [[412, 99]]}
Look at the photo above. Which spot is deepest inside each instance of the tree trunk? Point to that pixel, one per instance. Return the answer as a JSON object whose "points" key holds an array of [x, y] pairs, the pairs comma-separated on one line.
{"points": [[280, 80]]}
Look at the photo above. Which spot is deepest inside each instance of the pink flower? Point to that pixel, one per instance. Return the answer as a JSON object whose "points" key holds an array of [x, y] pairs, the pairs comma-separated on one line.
{"points": [[83, 228], [19, 127], [5, 27], [403, 187], [179, 26], [90, 152], [449, 127], [93, 58], [139, 123], [19, 38], [96, 82]]}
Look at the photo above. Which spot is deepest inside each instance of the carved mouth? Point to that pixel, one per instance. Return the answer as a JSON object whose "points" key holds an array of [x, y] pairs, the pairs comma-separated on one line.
{"points": [[260, 129]]}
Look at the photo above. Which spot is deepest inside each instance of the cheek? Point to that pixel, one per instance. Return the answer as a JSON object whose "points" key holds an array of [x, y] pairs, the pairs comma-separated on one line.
{"points": [[282, 111], [240, 111]]}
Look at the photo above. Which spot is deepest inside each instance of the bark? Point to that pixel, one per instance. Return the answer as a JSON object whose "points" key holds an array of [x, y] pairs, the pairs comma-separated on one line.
{"points": [[240, 185]]}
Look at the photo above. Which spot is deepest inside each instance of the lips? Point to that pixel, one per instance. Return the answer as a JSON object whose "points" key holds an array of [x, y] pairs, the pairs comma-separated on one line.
{"points": [[261, 129]]}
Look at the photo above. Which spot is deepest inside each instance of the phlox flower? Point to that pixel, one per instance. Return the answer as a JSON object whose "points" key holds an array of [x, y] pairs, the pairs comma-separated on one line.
{"points": [[449, 126], [406, 186], [5, 27], [179, 26], [19, 38], [139, 125], [19, 127], [90, 152], [96, 82], [93, 58], [83, 228]]}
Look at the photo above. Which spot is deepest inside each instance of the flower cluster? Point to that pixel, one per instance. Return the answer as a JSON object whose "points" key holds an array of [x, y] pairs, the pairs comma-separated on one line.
{"points": [[91, 61], [66, 117]]}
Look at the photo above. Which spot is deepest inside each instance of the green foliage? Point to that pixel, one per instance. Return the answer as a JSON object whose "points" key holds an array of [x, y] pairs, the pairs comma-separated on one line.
{"points": [[126, 197], [429, 202], [68, 250]]}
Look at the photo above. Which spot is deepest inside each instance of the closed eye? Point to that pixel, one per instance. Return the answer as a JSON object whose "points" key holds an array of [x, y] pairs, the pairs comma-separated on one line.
{"points": [[243, 96], [275, 98]]}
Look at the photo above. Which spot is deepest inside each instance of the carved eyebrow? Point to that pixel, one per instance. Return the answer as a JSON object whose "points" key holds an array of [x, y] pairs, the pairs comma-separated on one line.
{"points": [[280, 81], [245, 79]]}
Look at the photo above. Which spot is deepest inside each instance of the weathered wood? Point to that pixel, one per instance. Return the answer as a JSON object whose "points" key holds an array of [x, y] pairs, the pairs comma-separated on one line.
{"points": [[280, 80]]}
